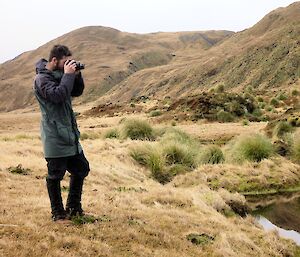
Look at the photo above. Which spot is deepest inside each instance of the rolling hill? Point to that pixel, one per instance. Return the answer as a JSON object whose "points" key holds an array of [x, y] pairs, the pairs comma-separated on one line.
{"points": [[122, 66], [266, 56], [110, 57]]}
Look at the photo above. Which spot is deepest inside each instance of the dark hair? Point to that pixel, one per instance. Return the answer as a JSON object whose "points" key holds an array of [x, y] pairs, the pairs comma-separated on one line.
{"points": [[59, 51]]}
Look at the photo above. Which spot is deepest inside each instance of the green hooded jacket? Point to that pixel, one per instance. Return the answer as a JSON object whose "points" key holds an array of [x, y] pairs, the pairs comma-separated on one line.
{"points": [[54, 92]]}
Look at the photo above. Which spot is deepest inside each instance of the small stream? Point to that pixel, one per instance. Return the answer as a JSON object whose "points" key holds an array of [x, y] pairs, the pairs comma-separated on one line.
{"points": [[280, 212]]}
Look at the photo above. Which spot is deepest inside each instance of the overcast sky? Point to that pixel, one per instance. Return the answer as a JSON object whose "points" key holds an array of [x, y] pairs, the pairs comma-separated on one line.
{"points": [[28, 24]]}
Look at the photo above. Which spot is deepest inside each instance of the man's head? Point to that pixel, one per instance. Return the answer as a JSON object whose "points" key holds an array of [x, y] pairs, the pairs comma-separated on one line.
{"points": [[58, 56]]}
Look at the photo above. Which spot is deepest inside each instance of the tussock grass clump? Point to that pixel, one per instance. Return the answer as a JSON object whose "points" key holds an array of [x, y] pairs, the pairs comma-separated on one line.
{"points": [[162, 176], [262, 105], [211, 154], [152, 157], [255, 147], [269, 108], [282, 128], [224, 116], [155, 161], [155, 113], [176, 153], [257, 112], [137, 130], [141, 154], [220, 88], [112, 133], [149, 156], [260, 99], [249, 89], [176, 135], [282, 97], [274, 102]]}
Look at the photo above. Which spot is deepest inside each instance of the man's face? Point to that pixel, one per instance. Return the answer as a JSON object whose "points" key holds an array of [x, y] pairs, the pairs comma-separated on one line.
{"points": [[59, 64]]}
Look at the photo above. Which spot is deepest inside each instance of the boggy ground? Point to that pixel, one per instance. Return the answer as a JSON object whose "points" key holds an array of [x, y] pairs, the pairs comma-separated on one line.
{"points": [[137, 216]]}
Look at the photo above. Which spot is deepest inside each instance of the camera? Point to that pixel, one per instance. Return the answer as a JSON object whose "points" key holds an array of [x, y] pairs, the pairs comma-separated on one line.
{"points": [[79, 66]]}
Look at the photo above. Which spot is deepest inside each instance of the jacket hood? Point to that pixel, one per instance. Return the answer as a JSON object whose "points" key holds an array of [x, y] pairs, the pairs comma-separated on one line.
{"points": [[40, 66]]}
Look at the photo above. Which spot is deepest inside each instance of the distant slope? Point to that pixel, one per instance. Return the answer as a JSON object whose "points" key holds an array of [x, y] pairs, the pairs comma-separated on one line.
{"points": [[110, 57], [265, 56], [121, 66]]}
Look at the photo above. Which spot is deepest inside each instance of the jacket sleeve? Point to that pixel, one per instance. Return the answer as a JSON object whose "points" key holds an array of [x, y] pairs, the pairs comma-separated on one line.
{"points": [[52, 91], [78, 86]]}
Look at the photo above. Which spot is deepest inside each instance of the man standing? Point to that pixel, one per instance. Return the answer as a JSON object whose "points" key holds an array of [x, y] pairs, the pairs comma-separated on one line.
{"points": [[58, 80]]}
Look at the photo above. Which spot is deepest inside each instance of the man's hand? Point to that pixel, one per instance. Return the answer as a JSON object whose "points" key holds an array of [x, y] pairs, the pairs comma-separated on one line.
{"points": [[70, 66]]}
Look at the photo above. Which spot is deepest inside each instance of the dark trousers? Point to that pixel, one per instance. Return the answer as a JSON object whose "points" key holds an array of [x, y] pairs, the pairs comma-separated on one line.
{"points": [[78, 167]]}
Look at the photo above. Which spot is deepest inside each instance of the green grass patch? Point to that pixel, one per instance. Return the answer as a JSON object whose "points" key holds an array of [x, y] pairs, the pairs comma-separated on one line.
{"points": [[19, 170], [257, 112], [219, 88], [112, 133], [274, 102], [176, 135], [152, 158], [260, 99], [282, 97], [211, 154], [155, 113], [255, 147], [137, 130], [85, 219], [224, 116], [176, 153], [200, 239], [282, 128]]}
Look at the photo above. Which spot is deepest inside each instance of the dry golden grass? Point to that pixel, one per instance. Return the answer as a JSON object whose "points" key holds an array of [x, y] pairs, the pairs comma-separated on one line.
{"points": [[137, 216], [272, 175]]}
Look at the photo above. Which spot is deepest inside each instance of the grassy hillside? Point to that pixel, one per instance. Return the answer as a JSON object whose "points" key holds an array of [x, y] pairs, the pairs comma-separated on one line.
{"points": [[135, 214], [121, 66], [110, 57], [265, 56]]}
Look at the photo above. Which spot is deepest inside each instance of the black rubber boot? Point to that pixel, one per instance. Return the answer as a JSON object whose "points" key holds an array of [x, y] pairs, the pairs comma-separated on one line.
{"points": [[54, 192], [73, 206]]}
